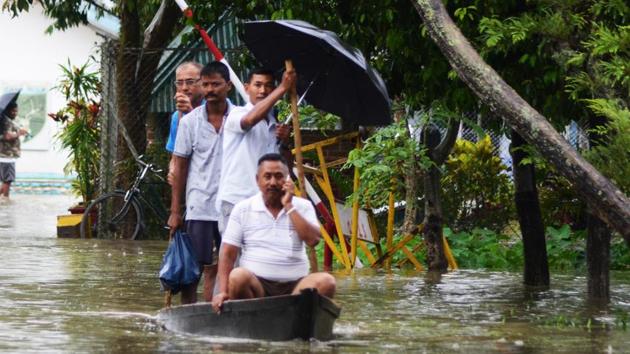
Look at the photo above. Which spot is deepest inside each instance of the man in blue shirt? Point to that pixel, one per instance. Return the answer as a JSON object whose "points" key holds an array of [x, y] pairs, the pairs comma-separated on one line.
{"points": [[188, 96]]}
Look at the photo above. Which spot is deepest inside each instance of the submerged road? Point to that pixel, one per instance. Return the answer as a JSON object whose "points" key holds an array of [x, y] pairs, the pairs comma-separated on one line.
{"points": [[66, 295]]}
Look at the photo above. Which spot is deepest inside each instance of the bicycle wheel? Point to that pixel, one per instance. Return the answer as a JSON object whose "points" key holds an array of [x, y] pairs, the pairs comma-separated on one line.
{"points": [[111, 215]]}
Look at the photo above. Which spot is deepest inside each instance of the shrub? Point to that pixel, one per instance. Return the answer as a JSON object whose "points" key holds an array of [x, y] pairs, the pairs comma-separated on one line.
{"points": [[483, 248], [477, 191]]}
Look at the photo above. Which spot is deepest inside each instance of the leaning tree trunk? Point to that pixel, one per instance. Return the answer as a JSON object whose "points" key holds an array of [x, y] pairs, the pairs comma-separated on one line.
{"points": [[608, 202], [536, 272], [433, 217]]}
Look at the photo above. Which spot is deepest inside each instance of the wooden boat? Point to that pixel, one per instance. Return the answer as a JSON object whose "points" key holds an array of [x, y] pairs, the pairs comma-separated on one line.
{"points": [[306, 315]]}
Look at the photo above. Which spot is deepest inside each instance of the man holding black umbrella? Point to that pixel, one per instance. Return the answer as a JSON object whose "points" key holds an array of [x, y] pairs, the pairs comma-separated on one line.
{"points": [[250, 132], [9, 147]]}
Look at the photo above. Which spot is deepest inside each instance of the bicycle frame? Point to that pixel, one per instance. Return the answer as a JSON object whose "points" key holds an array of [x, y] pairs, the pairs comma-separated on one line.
{"points": [[130, 198]]}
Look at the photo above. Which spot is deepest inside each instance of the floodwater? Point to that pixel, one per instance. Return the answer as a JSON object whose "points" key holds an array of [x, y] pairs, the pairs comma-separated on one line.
{"points": [[66, 295]]}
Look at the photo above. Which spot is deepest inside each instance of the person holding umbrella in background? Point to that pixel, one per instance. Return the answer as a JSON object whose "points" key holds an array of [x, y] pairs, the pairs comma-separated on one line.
{"points": [[9, 145]]}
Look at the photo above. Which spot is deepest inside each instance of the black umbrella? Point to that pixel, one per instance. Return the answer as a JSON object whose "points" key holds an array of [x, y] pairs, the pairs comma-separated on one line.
{"points": [[343, 83], [6, 99]]}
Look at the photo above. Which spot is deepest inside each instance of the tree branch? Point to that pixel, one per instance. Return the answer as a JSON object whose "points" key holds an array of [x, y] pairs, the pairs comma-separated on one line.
{"points": [[610, 204], [162, 24], [441, 151]]}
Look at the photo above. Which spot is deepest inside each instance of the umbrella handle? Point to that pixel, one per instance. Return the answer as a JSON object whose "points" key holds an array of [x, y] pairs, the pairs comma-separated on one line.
{"points": [[298, 151], [296, 127], [286, 121]]}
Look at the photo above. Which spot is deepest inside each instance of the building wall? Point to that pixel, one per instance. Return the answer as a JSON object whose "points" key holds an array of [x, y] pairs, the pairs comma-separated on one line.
{"points": [[29, 61]]}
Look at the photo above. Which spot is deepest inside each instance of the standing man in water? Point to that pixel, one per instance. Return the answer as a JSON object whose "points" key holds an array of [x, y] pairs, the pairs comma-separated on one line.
{"points": [[250, 132], [9, 147], [188, 96], [197, 169]]}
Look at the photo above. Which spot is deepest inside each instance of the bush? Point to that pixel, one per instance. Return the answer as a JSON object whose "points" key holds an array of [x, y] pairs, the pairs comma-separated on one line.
{"points": [[483, 248], [477, 191], [566, 249], [383, 161], [81, 131]]}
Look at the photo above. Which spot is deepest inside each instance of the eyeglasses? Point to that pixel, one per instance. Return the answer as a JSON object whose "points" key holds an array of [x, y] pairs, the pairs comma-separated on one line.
{"points": [[189, 82]]}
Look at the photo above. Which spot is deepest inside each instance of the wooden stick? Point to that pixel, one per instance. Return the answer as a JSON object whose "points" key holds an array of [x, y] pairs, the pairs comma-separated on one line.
{"points": [[354, 233], [297, 136], [390, 226]]}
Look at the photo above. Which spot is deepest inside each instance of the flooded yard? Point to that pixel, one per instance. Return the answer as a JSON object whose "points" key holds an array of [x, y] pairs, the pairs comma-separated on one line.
{"points": [[67, 295]]}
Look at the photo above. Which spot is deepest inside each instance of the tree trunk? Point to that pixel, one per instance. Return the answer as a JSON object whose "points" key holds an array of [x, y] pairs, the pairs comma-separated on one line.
{"points": [[410, 224], [597, 239], [433, 221], [433, 218], [126, 85], [138, 60], [536, 272], [598, 259], [610, 204]]}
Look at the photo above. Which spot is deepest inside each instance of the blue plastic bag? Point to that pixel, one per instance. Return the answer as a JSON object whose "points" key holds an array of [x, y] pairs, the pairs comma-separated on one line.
{"points": [[179, 266]]}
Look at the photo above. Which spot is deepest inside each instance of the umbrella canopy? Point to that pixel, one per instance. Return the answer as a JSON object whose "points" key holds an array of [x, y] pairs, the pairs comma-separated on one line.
{"points": [[343, 82], [6, 99]]}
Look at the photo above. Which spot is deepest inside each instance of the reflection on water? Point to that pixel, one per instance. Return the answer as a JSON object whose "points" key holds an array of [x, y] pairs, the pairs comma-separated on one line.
{"points": [[62, 295]]}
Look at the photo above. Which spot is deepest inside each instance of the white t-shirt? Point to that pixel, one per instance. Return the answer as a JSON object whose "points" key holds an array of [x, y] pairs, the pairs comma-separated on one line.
{"points": [[198, 140], [241, 151], [270, 248]]}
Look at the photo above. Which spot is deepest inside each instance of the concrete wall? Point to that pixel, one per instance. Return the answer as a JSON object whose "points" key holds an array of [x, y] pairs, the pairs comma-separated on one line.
{"points": [[29, 61]]}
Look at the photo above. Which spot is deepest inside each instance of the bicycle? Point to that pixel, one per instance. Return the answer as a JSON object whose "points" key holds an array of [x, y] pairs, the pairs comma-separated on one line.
{"points": [[121, 212]]}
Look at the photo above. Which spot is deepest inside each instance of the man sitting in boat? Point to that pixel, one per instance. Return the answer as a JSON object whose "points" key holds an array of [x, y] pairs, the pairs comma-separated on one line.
{"points": [[270, 229]]}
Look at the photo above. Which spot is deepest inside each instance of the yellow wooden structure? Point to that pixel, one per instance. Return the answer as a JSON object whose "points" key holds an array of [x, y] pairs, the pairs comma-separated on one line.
{"points": [[346, 256], [68, 226]]}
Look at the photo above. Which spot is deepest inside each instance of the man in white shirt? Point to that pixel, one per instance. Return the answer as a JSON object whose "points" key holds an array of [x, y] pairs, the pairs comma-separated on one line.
{"points": [[250, 132], [197, 169], [270, 230]]}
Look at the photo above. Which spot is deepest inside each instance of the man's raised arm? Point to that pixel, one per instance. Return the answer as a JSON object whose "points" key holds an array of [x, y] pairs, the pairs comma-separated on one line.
{"points": [[260, 110]]}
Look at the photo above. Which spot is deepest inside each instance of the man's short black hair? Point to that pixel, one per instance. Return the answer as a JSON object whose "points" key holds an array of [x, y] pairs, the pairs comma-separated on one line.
{"points": [[260, 71], [216, 67], [10, 106], [272, 157]]}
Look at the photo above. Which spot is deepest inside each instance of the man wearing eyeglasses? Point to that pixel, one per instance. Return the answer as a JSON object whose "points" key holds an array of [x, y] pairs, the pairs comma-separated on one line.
{"points": [[188, 96]]}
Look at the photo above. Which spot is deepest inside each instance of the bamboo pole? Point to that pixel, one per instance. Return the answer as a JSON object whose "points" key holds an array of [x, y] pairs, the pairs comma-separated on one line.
{"points": [[326, 188], [390, 226], [298, 151], [297, 136], [355, 213]]}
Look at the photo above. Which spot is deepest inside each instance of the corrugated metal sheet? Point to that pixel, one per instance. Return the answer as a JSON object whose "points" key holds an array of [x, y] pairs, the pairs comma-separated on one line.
{"points": [[224, 34]]}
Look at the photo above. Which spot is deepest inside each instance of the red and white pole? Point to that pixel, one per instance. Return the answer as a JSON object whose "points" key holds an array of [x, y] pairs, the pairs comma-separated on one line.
{"points": [[329, 222], [236, 81]]}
